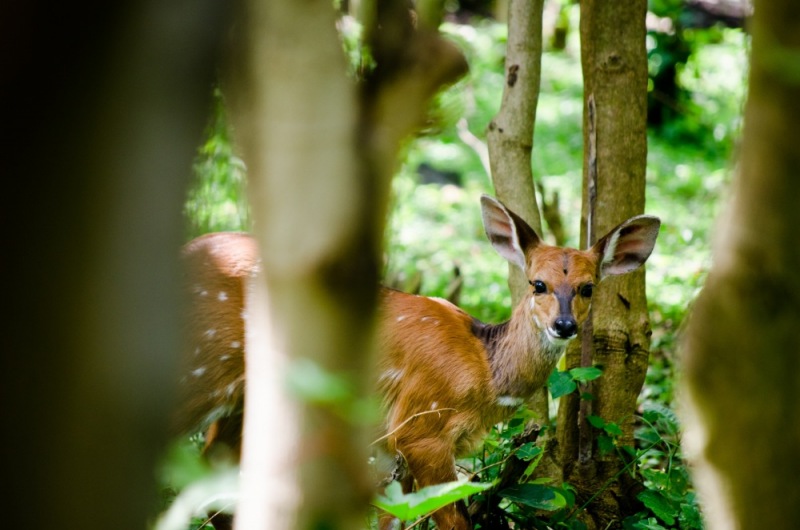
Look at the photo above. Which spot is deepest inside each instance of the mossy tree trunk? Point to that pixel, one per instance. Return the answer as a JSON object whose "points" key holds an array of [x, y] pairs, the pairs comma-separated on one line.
{"points": [[742, 347], [616, 338]]}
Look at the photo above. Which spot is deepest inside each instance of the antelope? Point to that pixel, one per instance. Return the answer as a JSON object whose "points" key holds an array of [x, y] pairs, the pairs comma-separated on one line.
{"points": [[445, 377]]}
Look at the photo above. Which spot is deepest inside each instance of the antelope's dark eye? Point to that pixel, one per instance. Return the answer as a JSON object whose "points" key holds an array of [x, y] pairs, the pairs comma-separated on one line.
{"points": [[586, 290], [539, 287]]}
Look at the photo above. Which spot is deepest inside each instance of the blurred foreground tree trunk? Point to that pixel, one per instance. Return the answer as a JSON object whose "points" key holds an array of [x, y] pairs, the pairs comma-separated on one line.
{"points": [[320, 151], [617, 336], [742, 348], [105, 109]]}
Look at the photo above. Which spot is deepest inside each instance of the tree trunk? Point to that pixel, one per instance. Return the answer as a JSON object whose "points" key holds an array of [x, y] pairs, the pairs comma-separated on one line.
{"points": [[320, 152], [616, 337], [510, 136], [742, 342], [105, 110]]}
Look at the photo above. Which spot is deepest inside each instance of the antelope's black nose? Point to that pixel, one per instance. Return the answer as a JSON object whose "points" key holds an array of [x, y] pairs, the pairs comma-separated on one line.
{"points": [[566, 327]]}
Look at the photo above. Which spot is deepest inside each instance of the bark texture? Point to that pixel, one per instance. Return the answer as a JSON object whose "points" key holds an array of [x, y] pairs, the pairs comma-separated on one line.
{"points": [[510, 135], [320, 151], [742, 348], [617, 336]]}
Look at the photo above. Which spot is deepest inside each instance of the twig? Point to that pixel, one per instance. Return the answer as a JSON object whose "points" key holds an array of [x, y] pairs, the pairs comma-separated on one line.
{"points": [[418, 414]]}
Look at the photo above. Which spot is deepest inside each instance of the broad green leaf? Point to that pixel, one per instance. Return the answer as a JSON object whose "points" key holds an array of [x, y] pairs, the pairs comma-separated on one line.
{"points": [[609, 426], [605, 444], [656, 477], [535, 495], [613, 429], [663, 508], [410, 506], [678, 482], [596, 421], [648, 524], [560, 384], [568, 492], [588, 373], [528, 451], [654, 412], [690, 515]]}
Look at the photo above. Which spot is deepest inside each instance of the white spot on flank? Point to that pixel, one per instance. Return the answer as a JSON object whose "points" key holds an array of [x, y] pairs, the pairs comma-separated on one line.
{"points": [[203, 293], [197, 372], [434, 405], [209, 334], [224, 357], [222, 296], [236, 344], [230, 389], [509, 401], [197, 351], [401, 318]]}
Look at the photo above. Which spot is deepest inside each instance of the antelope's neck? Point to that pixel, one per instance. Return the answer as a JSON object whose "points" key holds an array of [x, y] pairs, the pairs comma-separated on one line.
{"points": [[519, 353]]}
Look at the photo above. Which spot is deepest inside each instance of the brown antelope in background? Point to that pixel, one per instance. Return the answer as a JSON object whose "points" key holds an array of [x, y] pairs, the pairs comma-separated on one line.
{"points": [[445, 377]]}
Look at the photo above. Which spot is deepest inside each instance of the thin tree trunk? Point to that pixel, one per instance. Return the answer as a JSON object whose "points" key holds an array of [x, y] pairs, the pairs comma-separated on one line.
{"points": [[617, 336], [320, 152], [742, 345], [510, 135]]}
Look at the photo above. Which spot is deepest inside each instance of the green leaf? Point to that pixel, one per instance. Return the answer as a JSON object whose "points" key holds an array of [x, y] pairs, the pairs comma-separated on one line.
{"points": [[648, 524], [535, 495], [605, 444], [662, 507], [690, 515], [609, 427], [596, 421], [589, 373], [613, 429], [656, 477], [528, 451], [560, 384], [409, 506]]}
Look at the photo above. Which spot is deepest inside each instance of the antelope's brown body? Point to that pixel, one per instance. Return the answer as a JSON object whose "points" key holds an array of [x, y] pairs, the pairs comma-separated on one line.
{"points": [[445, 377]]}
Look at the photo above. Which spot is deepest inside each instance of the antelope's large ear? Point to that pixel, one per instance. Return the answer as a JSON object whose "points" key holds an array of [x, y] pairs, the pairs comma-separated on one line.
{"points": [[510, 236], [627, 246]]}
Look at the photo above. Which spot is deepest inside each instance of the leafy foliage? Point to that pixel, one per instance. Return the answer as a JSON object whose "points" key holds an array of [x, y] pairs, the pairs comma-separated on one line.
{"points": [[562, 383], [425, 501], [217, 199]]}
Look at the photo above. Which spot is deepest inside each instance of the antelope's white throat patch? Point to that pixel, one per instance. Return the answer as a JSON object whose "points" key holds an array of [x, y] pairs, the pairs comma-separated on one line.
{"points": [[509, 401]]}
